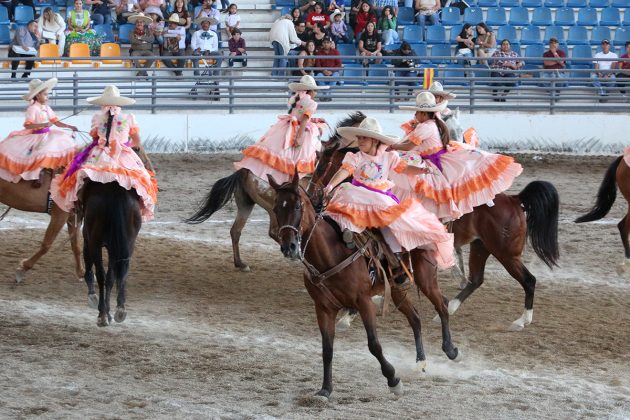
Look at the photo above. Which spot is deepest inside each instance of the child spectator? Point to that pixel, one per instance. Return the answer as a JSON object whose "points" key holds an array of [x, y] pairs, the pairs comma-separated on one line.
{"points": [[318, 16], [156, 27], [387, 26], [232, 20], [338, 28], [236, 44], [370, 43], [365, 15]]}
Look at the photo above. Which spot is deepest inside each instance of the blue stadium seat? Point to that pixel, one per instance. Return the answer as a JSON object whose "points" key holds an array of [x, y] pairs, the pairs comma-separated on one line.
{"points": [[587, 17], [530, 35], [5, 35], [60, 2], [68, 10], [532, 3], [124, 31], [42, 3], [454, 71], [487, 3], [473, 15], [554, 32], [578, 35], [413, 33], [565, 17], [620, 3], [378, 70], [451, 16], [622, 35], [23, 14], [106, 31], [541, 16], [347, 49], [626, 18], [519, 16], [600, 33], [554, 3], [582, 51], [598, 3], [535, 51], [496, 16], [283, 3], [436, 35], [455, 30], [507, 32], [4, 16], [611, 17], [355, 74], [441, 50], [391, 47], [420, 48], [405, 16], [510, 3], [576, 3], [286, 10]]}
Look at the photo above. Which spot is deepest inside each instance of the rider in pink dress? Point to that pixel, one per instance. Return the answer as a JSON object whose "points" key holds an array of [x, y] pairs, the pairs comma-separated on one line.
{"points": [[24, 153], [109, 158], [292, 142]]}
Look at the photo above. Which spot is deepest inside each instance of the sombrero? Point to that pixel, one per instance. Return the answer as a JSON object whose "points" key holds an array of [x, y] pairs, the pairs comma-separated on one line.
{"points": [[337, 12], [437, 90], [36, 86], [111, 97], [306, 83], [369, 127], [139, 16], [174, 18], [202, 19], [425, 102]]}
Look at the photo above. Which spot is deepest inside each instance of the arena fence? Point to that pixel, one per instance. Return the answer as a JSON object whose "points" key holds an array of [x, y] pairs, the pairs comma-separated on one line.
{"points": [[381, 87]]}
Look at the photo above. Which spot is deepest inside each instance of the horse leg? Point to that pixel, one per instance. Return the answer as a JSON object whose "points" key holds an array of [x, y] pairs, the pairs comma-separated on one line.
{"points": [[89, 276], [121, 268], [459, 271], [110, 279], [517, 269], [244, 208], [103, 306], [73, 232], [57, 220], [624, 230], [326, 322], [404, 305]]}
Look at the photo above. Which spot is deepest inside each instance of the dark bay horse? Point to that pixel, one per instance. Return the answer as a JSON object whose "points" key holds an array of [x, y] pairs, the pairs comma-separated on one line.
{"points": [[617, 175], [305, 235], [112, 220], [22, 196], [501, 231]]}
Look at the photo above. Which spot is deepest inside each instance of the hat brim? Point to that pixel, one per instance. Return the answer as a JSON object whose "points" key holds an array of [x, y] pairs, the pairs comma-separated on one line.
{"points": [[442, 93], [135, 18], [48, 84], [332, 16], [212, 21], [301, 87], [438, 108], [351, 134], [111, 101]]}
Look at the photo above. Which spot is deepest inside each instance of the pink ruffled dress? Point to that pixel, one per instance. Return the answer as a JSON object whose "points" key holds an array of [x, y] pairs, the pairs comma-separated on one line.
{"points": [[279, 152], [24, 153], [115, 162], [367, 202]]}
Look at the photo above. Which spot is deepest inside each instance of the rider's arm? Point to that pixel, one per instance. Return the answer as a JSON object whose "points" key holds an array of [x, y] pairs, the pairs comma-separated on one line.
{"points": [[64, 125], [341, 175], [137, 147], [404, 146]]}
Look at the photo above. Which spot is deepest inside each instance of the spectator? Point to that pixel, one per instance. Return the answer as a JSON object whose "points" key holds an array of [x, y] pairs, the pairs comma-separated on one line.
{"points": [[225, 6], [364, 16], [154, 13], [25, 44], [236, 44], [80, 32], [486, 42], [208, 11], [306, 6], [387, 26], [141, 40], [283, 38], [52, 28], [624, 73], [405, 73], [174, 44], [465, 44], [327, 68], [156, 27], [303, 33], [305, 61], [318, 35], [318, 16], [160, 4], [296, 15], [205, 42], [427, 10], [604, 76], [338, 28], [185, 19], [557, 67], [15, 3], [232, 20], [125, 8], [380, 5], [503, 68], [102, 12], [333, 5], [370, 44], [355, 8]]}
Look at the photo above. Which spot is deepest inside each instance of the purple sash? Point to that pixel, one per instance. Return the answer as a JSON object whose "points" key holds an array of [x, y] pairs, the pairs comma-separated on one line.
{"points": [[42, 130], [435, 158], [80, 159], [387, 193]]}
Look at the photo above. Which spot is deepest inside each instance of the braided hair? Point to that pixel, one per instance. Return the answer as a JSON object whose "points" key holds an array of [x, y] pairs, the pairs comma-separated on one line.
{"points": [[110, 120], [293, 101], [442, 128]]}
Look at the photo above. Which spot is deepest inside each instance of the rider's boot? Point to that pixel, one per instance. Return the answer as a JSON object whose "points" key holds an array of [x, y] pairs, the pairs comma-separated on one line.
{"points": [[399, 275]]}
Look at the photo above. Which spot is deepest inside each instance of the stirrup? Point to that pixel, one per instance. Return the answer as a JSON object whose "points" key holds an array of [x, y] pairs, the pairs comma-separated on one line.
{"points": [[348, 238]]}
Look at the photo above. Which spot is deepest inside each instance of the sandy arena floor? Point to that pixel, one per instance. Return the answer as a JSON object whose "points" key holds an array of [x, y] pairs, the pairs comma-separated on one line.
{"points": [[203, 340]]}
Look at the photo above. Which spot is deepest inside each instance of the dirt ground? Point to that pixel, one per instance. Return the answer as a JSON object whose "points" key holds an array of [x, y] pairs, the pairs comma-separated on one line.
{"points": [[202, 340]]}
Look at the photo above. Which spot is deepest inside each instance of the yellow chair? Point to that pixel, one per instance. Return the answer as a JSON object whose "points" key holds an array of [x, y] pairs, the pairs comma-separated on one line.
{"points": [[48, 52], [110, 49], [80, 50]]}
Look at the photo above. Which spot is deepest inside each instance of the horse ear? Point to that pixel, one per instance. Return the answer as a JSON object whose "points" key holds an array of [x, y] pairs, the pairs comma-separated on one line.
{"points": [[295, 182], [273, 182]]}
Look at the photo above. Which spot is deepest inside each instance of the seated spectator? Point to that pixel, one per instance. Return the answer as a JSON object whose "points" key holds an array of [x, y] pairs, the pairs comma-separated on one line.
{"points": [[205, 42], [102, 12], [427, 12], [306, 6], [15, 3], [306, 60], [604, 76], [78, 25], [327, 68], [380, 5], [52, 28], [296, 15], [283, 39], [355, 8], [333, 5], [25, 45], [206, 10], [156, 27], [160, 4], [465, 44], [225, 5], [181, 9], [405, 67], [318, 35], [126, 8], [386, 26], [486, 42], [236, 44], [338, 28], [174, 44], [232, 20], [370, 44], [503, 68], [558, 66], [364, 16], [303, 34], [142, 40], [624, 74], [318, 16]]}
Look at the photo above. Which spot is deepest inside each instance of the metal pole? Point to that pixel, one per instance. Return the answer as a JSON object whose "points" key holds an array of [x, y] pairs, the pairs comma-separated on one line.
{"points": [[75, 92], [153, 91], [231, 94], [471, 97]]}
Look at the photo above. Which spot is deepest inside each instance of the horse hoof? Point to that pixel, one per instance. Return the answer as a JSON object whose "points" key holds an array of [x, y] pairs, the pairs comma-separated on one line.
{"points": [[397, 389], [102, 322], [517, 326], [93, 301], [120, 315], [421, 366], [19, 275], [244, 268], [322, 395], [459, 356]]}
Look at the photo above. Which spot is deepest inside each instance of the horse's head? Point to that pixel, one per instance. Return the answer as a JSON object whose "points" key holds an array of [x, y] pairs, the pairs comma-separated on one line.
{"points": [[288, 209], [455, 130]]}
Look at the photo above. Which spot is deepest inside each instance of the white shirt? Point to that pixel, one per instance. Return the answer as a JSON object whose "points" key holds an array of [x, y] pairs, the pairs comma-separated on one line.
{"points": [[56, 26], [205, 41], [232, 20], [211, 13], [605, 65], [283, 32], [181, 31]]}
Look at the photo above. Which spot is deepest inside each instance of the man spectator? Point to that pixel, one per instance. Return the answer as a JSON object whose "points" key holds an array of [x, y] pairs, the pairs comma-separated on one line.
{"points": [[624, 67], [283, 39], [405, 73], [427, 12], [557, 67], [379, 5], [238, 51], [125, 8], [303, 33], [208, 11], [205, 42], [503, 68], [25, 45], [174, 44], [328, 67], [141, 40], [604, 76]]}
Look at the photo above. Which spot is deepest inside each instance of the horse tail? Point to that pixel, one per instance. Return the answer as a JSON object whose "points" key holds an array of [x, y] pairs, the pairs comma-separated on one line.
{"points": [[220, 194], [123, 204], [605, 196], [541, 205]]}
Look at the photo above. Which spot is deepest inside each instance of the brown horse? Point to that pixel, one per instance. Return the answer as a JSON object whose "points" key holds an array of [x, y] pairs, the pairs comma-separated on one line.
{"points": [[304, 235], [617, 175], [22, 196], [501, 230]]}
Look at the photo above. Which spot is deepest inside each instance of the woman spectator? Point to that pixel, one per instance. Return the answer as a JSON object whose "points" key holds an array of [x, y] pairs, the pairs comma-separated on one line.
{"points": [[52, 28], [232, 20], [486, 42], [305, 61], [102, 11], [503, 68], [426, 11], [296, 15], [365, 15], [79, 30], [386, 26], [156, 27], [318, 35], [25, 44], [184, 17], [236, 45], [160, 4], [465, 44], [318, 16], [370, 44]]}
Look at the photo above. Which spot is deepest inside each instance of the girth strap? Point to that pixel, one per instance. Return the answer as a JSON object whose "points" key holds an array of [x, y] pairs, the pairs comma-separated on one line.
{"points": [[317, 277]]}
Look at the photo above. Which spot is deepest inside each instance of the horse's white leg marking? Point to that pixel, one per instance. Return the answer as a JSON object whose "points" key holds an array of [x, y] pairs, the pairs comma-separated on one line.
{"points": [[525, 319], [346, 319], [623, 267], [453, 306]]}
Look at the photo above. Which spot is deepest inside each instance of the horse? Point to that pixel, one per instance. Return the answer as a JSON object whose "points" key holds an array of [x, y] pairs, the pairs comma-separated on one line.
{"points": [[22, 196], [247, 190], [617, 175], [455, 130], [112, 220], [305, 235], [501, 231]]}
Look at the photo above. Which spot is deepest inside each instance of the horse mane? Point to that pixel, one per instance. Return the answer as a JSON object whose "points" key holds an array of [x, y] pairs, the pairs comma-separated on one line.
{"points": [[351, 120]]}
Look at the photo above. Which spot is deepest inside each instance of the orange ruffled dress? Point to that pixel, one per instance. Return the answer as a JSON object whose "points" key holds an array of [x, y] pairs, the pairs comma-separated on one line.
{"points": [[367, 203], [463, 178], [114, 163], [279, 152], [24, 153]]}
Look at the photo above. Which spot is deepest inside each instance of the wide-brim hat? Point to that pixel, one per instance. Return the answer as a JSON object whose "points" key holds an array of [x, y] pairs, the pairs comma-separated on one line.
{"points": [[437, 89], [306, 83], [174, 18], [337, 12], [139, 16], [369, 127], [36, 86], [209, 19], [154, 9], [425, 102], [111, 97]]}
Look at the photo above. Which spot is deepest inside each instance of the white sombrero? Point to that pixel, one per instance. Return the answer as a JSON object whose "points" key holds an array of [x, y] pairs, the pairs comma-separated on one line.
{"points": [[437, 89], [337, 12], [203, 19], [425, 102], [36, 86], [174, 18], [139, 16], [306, 83], [155, 10], [369, 127], [111, 97]]}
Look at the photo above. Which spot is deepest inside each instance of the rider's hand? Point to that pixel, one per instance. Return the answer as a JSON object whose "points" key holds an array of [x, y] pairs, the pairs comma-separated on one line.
{"points": [[73, 128]]}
